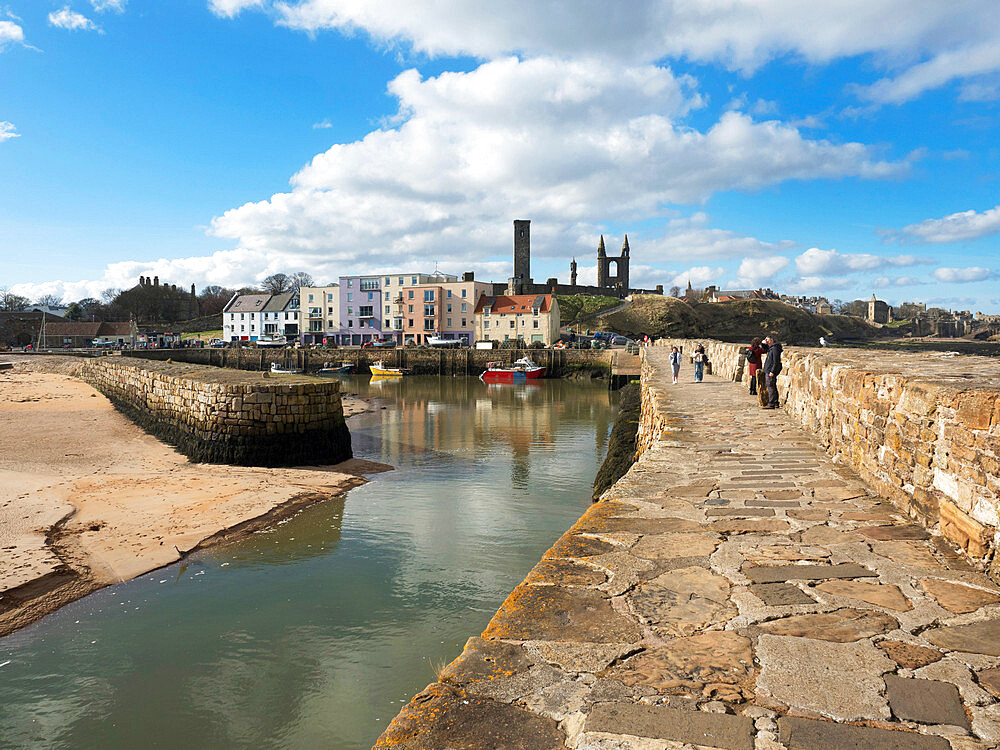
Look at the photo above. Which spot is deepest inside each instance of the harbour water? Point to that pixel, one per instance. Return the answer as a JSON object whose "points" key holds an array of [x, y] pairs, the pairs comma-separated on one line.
{"points": [[315, 633]]}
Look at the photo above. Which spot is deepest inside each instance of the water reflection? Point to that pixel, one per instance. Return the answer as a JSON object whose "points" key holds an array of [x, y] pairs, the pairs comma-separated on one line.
{"points": [[315, 633]]}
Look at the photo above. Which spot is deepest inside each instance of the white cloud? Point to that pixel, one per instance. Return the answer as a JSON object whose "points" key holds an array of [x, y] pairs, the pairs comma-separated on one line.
{"points": [[756, 272], [10, 33], [957, 227], [699, 276], [232, 8], [71, 20], [102, 6], [963, 275], [8, 131], [322, 125], [559, 141], [931, 43], [884, 281], [821, 284], [816, 262], [689, 238]]}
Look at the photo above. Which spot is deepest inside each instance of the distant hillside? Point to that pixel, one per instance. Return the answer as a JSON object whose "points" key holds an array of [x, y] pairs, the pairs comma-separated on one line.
{"points": [[732, 321], [575, 308]]}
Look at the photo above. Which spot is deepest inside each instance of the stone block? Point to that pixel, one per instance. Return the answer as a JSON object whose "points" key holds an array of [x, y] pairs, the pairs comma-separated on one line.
{"points": [[797, 733], [673, 724], [965, 531]]}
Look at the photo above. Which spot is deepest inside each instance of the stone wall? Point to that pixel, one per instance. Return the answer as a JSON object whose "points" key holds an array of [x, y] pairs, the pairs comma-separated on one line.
{"points": [[448, 362], [232, 419], [922, 429]]}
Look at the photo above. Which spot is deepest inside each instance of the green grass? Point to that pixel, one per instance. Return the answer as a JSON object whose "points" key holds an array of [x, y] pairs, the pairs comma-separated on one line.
{"points": [[578, 307], [205, 336]]}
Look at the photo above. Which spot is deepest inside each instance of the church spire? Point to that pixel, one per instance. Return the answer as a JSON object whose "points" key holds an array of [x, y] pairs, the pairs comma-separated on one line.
{"points": [[625, 246], [601, 252]]}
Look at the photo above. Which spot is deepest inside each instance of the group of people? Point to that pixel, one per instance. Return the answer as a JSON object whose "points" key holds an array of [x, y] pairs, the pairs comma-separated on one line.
{"points": [[764, 366], [700, 359]]}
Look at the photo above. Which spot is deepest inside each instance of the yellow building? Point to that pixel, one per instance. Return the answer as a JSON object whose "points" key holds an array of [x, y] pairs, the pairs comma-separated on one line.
{"points": [[528, 317]]}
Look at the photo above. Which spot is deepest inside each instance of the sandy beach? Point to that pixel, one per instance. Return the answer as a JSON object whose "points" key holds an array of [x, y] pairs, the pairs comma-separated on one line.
{"points": [[88, 499]]}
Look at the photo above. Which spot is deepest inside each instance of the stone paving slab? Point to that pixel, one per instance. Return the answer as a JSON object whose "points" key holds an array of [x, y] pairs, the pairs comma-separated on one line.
{"points": [[736, 589]]}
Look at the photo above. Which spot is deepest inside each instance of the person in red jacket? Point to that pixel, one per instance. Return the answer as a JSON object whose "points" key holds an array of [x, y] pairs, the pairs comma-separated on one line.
{"points": [[753, 354]]}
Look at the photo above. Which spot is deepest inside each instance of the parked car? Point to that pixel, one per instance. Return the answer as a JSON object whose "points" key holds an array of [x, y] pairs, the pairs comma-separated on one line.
{"points": [[216, 343], [620, 340]]}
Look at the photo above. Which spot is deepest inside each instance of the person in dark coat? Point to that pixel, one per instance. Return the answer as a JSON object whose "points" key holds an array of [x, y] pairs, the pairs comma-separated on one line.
{"points": [[753, 354], [772, 368]]}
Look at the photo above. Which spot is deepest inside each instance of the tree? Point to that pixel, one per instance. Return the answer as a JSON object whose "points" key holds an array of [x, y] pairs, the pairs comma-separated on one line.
{"points": [[110, 295], [213, 299], [49, 300], [74, 311], [277, 283], [12, 302], [301, 279], [675, 291]]}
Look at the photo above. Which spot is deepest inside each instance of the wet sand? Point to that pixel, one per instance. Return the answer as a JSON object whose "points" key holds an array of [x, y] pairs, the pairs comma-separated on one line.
{"points": [[88, 499]]}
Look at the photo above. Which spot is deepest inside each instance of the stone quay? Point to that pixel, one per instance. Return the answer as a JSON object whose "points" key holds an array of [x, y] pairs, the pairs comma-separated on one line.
{"points": [[227, 416], [759, 579]]}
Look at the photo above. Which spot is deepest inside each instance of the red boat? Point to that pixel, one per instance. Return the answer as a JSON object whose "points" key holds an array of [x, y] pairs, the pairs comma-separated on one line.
{"points": [[522, 370]]}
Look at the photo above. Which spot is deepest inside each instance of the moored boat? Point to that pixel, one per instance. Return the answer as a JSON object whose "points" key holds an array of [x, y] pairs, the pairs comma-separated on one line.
{"points": [[331, 368], [522, 370], [379, 368], [283, 370]]}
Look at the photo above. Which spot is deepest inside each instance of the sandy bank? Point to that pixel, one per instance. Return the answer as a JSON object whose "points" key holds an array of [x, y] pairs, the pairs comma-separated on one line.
{"points": [[88, 499]]}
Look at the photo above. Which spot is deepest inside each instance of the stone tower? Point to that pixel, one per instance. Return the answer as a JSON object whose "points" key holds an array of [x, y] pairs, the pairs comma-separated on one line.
{"points": [[619, 281], [572, 272], [522, 250], [602, 266]]}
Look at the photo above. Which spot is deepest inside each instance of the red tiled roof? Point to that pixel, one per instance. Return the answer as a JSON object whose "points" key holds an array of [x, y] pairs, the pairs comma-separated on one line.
{"points": [[72, 329], [115, 329], [516, 303]]}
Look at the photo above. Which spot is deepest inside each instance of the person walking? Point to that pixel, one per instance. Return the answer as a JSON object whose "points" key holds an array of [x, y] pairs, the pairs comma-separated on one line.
{"points": [[772, 368], [699, 363], [675, 362], [753, 355]]}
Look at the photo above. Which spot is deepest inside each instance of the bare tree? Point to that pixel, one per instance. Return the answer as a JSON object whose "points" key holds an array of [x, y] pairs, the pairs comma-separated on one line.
{"points": [[110, 295], [49, 300], [12, 302], [277, 283], [301, 279], [675, 291]]}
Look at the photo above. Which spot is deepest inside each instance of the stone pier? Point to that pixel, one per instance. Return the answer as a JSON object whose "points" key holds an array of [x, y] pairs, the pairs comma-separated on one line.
{"points": [[737, 589]]}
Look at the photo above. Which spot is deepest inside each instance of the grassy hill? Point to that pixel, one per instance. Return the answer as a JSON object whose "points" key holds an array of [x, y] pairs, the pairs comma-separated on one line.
{"points": [[731, 321], [576, 308]]}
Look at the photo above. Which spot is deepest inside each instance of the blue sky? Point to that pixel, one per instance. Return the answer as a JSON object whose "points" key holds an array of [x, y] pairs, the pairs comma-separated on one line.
{"points": [[839, 150]]}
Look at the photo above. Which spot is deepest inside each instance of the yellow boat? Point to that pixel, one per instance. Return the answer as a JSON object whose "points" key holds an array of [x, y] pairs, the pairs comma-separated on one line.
{"points": [[379, 369]]}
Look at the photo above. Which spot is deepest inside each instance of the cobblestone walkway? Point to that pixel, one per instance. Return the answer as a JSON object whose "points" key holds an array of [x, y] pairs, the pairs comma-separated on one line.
{"points": [[736, 590]]}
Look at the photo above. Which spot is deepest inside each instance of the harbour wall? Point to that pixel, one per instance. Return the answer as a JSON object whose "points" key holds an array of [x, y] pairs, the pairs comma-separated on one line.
{"points": [[231, 420], [921, 429], [558, 363]]}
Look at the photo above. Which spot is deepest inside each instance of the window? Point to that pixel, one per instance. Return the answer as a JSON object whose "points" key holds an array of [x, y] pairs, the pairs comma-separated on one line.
{"points": [[486, 324], [350, 324], [428, 311], [387, 324], [241, 316], [463, 322], [414, 280], [329, 324], [350, 310], [367, 285], [411, 308], [242, 329], [366, 311], [449, 307], [350, 297], [536, 323], [386, 309], [486, 311], [387, 296], [329, 298], [512, 322], [370, 296], [449, 294], [350, 283], [428, 325], [463, 292], [400, 281], [449, 322], [428, 295], [463, 307], [410, 296], [329, 311], [387, 282], [410, 322], [310, 298]]}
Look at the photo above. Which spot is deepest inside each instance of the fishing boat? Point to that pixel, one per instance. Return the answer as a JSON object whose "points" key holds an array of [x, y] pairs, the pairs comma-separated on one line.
{"points": [[442, 342], [522, 370], [379, 368], [276, 369], [331, 368]]}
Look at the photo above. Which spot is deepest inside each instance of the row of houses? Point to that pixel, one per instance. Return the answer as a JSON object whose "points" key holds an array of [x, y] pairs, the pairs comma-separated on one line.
{"points": [[406, 308]]}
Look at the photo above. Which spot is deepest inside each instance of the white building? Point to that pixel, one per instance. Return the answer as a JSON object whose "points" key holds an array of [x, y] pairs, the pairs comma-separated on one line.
{"points": [[281, 315], [243, 317]]}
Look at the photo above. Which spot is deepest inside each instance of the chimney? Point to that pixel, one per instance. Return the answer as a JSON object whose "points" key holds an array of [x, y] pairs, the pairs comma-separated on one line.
{"points": [[192, 291], [156, 281], [469, 276]]}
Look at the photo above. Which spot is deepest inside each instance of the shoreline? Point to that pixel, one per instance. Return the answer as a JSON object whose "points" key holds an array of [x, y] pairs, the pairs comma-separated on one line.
{"points": [[88, 499]]}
